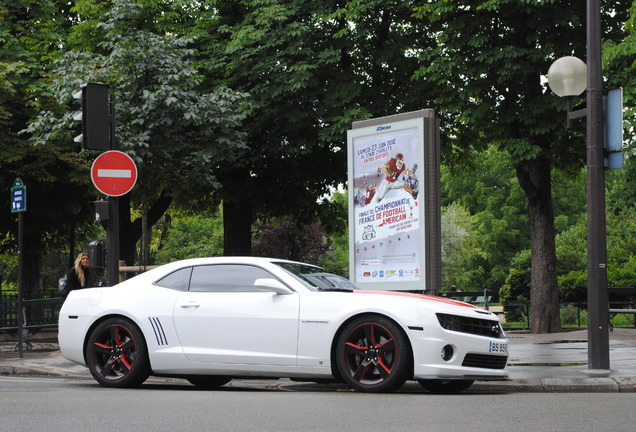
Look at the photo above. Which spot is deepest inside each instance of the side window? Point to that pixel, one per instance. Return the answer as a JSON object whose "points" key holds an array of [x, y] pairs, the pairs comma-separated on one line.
{"points": [[226, 278], [177, 280]]}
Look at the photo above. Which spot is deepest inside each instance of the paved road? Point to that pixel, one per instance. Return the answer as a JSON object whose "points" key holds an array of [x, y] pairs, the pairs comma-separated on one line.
{"points": [[54, 404]]}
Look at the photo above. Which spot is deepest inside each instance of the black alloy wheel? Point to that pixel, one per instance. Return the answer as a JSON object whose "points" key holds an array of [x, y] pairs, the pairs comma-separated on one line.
{"points": [[117, 355], [373, 354]]}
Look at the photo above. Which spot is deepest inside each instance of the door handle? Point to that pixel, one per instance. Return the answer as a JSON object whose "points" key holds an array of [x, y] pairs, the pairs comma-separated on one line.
{"points": [[190, 305]]}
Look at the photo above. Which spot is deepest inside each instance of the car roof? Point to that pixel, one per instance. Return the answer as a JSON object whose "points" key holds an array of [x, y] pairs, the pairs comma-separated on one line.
{"points": [[157, 272]]}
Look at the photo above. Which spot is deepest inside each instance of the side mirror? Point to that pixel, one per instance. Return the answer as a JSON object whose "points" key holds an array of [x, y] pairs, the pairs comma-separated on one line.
{"points": [[271, 285]]}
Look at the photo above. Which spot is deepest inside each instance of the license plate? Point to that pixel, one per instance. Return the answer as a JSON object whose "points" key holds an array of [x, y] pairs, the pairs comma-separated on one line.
{"points": [[499, 347]]}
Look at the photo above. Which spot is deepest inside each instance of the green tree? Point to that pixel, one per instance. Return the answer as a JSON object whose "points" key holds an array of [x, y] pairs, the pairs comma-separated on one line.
{"points": [[487, 70], [619, 64], [460, 250], [493, 196], [289, 240], [178, 132], [191, 237], [334, 220], [311, 69], [515, 292], [33, 33]]}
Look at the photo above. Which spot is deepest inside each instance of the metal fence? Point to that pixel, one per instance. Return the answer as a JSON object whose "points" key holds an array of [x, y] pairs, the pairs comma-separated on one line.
{"points": [[41, 309]]}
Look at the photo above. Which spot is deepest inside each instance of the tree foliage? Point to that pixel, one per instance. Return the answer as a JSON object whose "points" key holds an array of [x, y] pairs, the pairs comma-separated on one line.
{"points": [[191, 237], [177, 131], [247, 103], [288, 240], [460, 251], [487, 68]]}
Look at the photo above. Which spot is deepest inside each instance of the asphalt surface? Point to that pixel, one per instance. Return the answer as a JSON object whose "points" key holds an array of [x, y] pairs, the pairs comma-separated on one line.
{"points": [[554, 362]]}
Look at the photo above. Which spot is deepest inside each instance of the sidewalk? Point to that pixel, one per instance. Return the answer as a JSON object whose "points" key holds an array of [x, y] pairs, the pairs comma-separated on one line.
{"points": [[554, 362]]}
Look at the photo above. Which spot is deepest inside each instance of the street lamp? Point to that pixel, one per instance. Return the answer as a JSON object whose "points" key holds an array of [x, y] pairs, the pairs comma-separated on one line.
{"points": [[565, 79]]}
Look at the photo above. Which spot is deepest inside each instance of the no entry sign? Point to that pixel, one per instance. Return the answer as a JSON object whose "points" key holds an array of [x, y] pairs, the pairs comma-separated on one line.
{"points": [[114, 173]]}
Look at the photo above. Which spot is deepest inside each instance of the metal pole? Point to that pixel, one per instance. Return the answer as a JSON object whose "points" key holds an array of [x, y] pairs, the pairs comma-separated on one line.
{"points": [[71, 243], [112, 242], [20, 283], [112, 233], [597, 300]]}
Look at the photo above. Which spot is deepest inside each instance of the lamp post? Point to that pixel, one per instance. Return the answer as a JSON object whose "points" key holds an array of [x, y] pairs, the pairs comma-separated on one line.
{"points": [[565, 78]]}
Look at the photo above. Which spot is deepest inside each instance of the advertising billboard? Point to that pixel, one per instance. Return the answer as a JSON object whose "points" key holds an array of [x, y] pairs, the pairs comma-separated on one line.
{"points": [[393, 166]]}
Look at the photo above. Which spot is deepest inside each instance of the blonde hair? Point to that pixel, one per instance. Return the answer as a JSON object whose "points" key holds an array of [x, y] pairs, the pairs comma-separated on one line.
{"points": [[78, 268]]}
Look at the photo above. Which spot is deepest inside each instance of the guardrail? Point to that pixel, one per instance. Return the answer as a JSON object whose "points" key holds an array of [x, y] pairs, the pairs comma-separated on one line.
{"points": [[125, 270]]}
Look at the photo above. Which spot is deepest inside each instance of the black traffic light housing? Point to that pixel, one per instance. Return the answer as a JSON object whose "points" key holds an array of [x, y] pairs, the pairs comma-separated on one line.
{"points": [[95, 117], [97, 255], [101, 212]]}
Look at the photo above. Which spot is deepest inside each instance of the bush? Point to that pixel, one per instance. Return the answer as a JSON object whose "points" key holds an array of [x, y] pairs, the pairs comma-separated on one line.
{"points": [[573, 286], [517, 287]]}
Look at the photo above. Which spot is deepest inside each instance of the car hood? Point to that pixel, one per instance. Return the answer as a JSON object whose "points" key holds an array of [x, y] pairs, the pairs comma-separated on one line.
{"points": [[419, 296]]}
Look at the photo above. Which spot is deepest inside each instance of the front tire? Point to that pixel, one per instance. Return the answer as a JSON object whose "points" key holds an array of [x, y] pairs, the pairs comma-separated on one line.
{"points": [[117, 354], [373, 355]]}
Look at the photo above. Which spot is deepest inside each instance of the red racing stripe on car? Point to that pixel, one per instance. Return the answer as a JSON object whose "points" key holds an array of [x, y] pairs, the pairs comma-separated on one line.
{"points": [[419, 296]]}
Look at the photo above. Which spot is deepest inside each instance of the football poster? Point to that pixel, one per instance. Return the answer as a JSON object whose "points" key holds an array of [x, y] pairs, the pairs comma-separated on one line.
{"points": [[386, 205]]}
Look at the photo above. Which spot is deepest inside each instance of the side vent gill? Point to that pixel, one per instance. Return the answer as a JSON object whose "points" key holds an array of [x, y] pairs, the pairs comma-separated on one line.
{"points": [[158, 329]]}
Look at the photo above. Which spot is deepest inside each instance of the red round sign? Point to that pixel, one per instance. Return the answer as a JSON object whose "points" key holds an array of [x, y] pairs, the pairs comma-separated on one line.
{"points": [[114, 173]]}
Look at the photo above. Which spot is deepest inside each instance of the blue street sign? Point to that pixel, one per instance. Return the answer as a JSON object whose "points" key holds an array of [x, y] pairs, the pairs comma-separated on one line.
{"points": [[613, 129], [18, 196], [613, 120]]}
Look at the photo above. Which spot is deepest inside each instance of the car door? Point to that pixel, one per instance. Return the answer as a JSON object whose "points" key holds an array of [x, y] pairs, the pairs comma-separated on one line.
{"points": [[223, 319]]}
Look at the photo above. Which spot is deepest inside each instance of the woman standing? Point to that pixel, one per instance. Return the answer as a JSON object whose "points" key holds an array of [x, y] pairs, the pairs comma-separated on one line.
{"points": [[78, 276]]}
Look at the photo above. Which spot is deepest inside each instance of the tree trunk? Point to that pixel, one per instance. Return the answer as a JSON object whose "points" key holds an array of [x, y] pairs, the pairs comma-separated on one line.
{"points": [[535, 179], [146, 230], [130, 231], [237, 227]]}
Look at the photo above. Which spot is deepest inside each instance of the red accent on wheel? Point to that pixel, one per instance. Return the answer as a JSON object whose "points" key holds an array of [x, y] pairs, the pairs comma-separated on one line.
{"points": [[373, 355], [116, 354]]}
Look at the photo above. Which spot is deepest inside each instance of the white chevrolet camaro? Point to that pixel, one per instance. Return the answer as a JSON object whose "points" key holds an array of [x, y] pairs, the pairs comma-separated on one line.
{"points": [[210, 320]]}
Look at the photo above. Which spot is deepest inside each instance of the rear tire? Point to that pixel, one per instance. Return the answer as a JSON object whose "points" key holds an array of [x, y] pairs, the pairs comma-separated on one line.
{"points": [[117, 354]]}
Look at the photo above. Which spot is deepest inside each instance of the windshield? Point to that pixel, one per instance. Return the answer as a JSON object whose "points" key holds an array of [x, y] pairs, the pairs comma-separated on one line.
{"points": [[317, 278]]}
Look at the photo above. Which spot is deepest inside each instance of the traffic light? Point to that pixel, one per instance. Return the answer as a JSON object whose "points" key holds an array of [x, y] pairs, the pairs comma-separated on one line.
{"points": [[95, 117], [96, 253], [100, 210]]}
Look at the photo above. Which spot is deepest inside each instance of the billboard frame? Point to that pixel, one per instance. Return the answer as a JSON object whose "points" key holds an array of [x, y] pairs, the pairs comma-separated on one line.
{"points": [[424, 127]]}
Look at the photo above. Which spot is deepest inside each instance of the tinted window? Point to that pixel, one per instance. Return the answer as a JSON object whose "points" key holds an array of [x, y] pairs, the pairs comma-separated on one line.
{"points": [[226, 278], [316, 278], [177, 280]]}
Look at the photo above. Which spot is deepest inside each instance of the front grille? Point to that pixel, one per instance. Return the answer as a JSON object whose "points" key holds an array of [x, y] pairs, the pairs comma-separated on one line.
{"points": [[476, 326], [485, 361]]}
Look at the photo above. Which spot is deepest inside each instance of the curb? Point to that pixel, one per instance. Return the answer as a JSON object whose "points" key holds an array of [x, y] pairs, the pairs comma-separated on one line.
{"points": [[560, 385], [38, 370], [538, 385]]}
